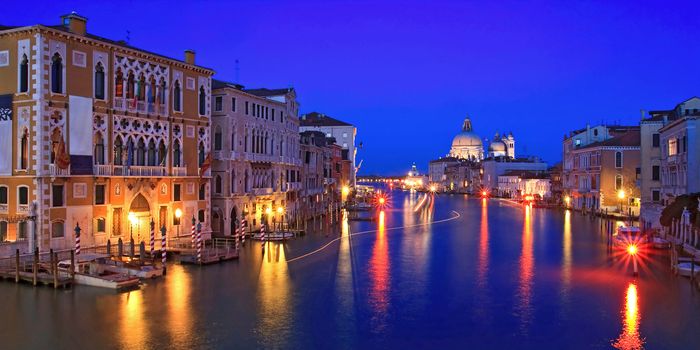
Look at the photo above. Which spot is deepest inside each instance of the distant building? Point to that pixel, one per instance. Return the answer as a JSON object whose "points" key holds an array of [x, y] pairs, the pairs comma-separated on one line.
{"points": [[319, 192], [556, 186], [495, 167], [502, 146], [522, 183], [344, 134], [467, 144], [652, 158], [680, 150], [463, 177], [436, 171]]}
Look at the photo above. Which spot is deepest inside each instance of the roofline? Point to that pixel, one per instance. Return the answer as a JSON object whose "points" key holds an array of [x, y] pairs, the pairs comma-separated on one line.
{"points": [[213, 92], [41, 27], [677, 122]]}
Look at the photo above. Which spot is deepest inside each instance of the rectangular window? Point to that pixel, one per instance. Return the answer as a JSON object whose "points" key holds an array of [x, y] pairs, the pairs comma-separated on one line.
{"points": [[273, 114], [233, 104], [176, 192], [99, 194], [200, 216], [218, 103], [57, 229], [618, 182], [202, 192], [100, 225], [672, 147], [22, 230], [247, 108], [57, 195], [618, 159], [655, 195], [3, 231], [23, 195], [655, 173], [3, 195], [655, 140]]}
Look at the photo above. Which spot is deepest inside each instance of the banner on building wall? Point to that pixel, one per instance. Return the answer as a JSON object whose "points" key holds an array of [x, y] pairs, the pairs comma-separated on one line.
{"points": [[6, 134], [80, 126]]}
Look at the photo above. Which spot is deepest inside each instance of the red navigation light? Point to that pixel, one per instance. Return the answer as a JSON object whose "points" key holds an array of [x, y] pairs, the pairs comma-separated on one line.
{"points": [[381, 200], [632, 249], [484, 194]]}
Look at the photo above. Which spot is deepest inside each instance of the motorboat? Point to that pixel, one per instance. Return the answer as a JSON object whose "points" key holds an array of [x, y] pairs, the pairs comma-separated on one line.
{"points": [[686, 268], [139, 268], [627, 235], [91, 271], [274, 236], [660, 243]]}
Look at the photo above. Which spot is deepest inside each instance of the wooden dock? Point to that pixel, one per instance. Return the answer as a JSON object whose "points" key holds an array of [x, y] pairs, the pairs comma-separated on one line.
{"points": [[215, 251], [37, 269], [43, 278]]}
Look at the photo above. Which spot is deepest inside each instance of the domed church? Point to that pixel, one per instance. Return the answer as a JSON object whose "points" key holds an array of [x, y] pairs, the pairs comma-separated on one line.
{"points": [[467, 144], [502, 146]]}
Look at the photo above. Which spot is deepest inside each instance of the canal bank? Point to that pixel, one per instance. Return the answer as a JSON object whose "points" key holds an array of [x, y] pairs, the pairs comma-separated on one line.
{"points": [[499, 276]]}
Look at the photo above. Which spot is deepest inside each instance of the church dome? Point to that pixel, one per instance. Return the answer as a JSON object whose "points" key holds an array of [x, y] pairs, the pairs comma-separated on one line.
{"points": [[497, 146], [467, 137]]}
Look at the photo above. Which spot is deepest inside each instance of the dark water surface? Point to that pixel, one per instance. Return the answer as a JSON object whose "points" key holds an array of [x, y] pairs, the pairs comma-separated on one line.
{"points": [[493, 276]]}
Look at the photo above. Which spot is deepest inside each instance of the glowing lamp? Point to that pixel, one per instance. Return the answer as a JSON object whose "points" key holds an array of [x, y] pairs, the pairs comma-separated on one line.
{"points": [[433, 188], [345, 190], [483, 193], [132, 217], [621, 194], [178, 213], [382, 200], [280, 210], [268, 210], [632, 249]]}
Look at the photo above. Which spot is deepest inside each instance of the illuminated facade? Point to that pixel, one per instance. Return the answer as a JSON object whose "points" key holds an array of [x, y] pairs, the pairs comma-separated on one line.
{"points": [[467, 144], [95, 130]]}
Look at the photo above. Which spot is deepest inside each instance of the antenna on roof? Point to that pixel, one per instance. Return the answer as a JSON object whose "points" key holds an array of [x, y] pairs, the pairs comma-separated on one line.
{"points": [[238, 72], [128, 36]]}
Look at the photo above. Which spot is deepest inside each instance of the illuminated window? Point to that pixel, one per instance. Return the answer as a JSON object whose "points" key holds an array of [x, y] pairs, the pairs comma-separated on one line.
{"points": [[672, 147]]}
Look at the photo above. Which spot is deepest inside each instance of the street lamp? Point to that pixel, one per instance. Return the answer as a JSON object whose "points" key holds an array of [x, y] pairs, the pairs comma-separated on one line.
{"points": [[567, 200], [132, 221], [178, 214], [621, 196], [632, 249]]}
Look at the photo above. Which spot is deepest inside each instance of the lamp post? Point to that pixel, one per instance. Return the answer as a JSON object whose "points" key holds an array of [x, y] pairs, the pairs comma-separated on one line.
{"points": [[621, 196], [632, 249], [132, 220], [280, 212], [567, 201], [178, 214]]}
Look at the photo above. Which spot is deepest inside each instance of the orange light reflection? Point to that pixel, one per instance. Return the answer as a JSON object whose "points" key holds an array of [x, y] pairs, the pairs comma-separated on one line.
{"points": [[379, 276], [630, 339]]}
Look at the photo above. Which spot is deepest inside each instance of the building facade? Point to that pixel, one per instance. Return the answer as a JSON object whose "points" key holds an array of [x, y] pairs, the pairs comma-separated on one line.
{"points": [[343, 133], [521, 184], [320, 194], [256, 164], [495, 167], [680, 161], [467, 144], [97, 134]]}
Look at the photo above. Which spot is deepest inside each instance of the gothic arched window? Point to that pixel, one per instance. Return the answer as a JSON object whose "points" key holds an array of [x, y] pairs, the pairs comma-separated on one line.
{"points": [[141, 153], [176, 154], [24, 74], [151, 90], [161, 93], [130, 85], [57, 74], [118, 151], [151, 153], [161, 153], [141, 88], [119, 84], [99, 152], [202, 101], [201, 153], [24, 150], [176, 97], [99, 82]]}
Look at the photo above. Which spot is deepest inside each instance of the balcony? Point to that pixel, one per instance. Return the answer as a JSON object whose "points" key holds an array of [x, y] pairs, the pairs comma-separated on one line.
{"points": [[56, 171], [262, 191], [218, 155], [179, 171], [140, 170], [102, 169], [233, 155], [3, 208], [23, 209]]}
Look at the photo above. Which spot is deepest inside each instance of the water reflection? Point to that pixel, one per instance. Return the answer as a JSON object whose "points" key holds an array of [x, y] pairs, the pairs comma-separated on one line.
{"points": [[344, 278], [483, 267], [527, 265], [566, 258], [133, 326], [379, 276], [275, 313], [630, 339], [179, 307]]}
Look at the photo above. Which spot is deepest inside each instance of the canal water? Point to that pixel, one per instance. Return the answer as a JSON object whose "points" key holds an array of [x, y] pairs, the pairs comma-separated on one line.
{"points": [[461, 272]]}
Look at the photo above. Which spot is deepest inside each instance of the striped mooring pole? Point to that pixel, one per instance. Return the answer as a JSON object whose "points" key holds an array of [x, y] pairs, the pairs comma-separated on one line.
{"points": [[243, 223], [153, 236], [194, 232], [262, 234], [235, 235], [77, 239], [199, 242], [163, 252]]}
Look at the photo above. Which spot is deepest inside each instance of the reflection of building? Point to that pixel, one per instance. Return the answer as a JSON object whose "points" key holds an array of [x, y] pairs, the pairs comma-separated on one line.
{"points": [[520, 184], [343, 133], [602, 174], [655, 163], [256, 155], [93, 130], [467, 144]]}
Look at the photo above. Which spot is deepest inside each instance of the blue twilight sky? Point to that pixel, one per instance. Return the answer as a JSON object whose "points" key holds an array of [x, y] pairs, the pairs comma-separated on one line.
{"points": [[406, 73]]}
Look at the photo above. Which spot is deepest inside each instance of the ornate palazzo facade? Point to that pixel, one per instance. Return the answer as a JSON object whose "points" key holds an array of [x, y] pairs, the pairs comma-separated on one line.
{"points": [[256, 169], [98, 132]]}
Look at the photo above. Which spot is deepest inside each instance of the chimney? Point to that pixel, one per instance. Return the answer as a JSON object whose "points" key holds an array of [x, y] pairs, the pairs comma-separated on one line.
{"points": [[75, 23], [189, 56]]}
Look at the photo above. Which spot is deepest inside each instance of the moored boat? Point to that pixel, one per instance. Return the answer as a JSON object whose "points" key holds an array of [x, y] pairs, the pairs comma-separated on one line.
{"points": [[139, 268], [686, 268], [660, 243], [90, 272]]}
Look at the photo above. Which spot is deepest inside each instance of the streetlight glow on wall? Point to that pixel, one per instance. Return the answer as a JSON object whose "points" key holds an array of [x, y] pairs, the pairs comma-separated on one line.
{"points": [[178, 214]]}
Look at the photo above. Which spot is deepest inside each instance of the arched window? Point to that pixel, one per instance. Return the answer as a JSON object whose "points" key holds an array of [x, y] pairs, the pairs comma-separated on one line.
{"points": [[618, 159], [176, 154], [24, 150], [201, 153], [161, 93], [141, 153], [119, 84], [99, 152], [218, 185], [99, 82], [141, 88], [24, 74], [130, 85], [151, 90], [118, 147], [176, 97], [130, 152], [618, 182], [217, 139], [161, 153], [151, 153], [57, 74], [202, 101]]}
